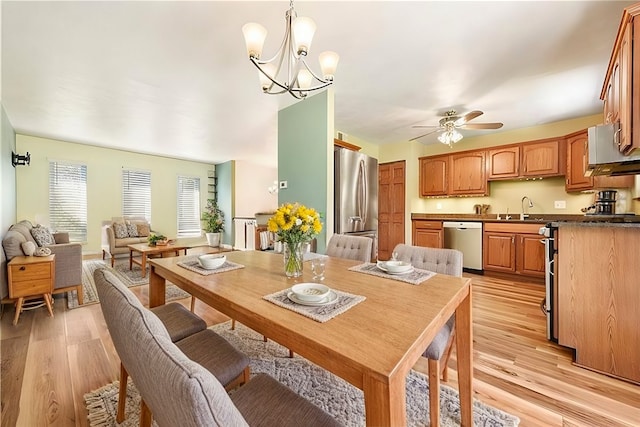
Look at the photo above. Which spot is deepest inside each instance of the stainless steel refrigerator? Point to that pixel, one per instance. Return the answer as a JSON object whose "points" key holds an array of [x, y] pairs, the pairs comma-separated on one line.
{"points": [[356, 195]]}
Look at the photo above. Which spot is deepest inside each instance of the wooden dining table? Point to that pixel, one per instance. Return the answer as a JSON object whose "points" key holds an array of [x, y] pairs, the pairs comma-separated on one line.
{"points": [[373, 345]]}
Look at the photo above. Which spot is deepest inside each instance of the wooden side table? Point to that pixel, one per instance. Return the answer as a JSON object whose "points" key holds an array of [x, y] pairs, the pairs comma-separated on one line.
{"points": [[31, 276]]}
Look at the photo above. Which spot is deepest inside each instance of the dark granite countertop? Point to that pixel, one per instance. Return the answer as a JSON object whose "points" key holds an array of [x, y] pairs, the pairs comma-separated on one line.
{"points": [[534, 218]]}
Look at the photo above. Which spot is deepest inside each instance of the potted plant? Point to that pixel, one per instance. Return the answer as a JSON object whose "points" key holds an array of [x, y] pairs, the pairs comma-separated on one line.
{"points": [[213, 221], [157, 239]]}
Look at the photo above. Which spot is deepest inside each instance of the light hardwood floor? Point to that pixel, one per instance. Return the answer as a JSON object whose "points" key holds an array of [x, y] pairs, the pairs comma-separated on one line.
{"points": [[48, 364]]}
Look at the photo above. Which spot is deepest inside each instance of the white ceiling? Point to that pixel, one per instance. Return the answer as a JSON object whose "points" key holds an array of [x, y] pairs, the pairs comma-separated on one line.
{"points": [[172, 78]]}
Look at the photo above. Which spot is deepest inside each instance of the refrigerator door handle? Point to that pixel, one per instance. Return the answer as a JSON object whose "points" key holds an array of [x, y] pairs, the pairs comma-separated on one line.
{"points": [[355, 219], [362, 191]]}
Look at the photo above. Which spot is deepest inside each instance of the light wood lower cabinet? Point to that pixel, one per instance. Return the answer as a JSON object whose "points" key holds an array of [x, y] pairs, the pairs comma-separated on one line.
{"points": [[427, 233], [513, 248], [598, 297]]}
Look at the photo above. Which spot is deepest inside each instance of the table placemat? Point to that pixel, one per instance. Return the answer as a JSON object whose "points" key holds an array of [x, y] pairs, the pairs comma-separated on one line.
{"points": [[343, 302], [416, 277], [191, 263]]}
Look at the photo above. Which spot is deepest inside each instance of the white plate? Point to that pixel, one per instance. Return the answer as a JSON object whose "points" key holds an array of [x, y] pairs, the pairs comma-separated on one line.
{"points": [[410, 270], [328, 300]]}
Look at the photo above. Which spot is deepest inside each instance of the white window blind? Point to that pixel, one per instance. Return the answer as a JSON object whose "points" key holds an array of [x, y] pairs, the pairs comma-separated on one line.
{"points": [[188, 206], [68, 199], [136, 194]]}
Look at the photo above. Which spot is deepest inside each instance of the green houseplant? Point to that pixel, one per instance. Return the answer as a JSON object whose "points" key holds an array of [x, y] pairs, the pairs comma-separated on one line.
{"points": [[213, 222], [153, 239]]}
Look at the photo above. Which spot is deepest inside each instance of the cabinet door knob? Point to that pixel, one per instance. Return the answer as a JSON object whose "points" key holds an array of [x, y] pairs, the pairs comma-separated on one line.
{"points": [[23, 268]]}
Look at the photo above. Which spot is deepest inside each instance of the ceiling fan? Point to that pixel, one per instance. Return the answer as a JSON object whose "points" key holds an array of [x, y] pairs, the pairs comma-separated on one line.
{"points": [[452, 121]]}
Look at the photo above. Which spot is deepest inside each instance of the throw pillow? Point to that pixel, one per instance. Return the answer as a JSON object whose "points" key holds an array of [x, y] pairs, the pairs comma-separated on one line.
{"points": [[28, 248], [143, 230], [120, 230], [42, 252], [132, 230], [42, 236]]}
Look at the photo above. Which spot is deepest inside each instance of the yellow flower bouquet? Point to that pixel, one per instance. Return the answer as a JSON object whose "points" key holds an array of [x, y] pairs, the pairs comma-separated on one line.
{"points": [[294, 224]]}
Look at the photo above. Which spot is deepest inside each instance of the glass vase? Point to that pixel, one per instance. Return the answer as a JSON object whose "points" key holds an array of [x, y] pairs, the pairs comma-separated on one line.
{"points": [[293, 258]]}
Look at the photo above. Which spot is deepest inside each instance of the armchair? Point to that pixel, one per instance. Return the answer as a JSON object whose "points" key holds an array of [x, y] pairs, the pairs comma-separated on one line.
{"points": [[68, 256]]}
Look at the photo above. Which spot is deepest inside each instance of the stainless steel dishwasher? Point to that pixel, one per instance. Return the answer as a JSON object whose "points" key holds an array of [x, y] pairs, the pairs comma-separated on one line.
{"points": [[467, 238]]}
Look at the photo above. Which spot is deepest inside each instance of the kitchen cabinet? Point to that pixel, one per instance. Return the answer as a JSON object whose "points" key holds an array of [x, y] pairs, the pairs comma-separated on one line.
{"points": [[619, 92], [542, 158], [427, 233], [391, 202], [504, 163], [577, 160], [468, 175], [597, 278], [514, 248], [434, 176]]}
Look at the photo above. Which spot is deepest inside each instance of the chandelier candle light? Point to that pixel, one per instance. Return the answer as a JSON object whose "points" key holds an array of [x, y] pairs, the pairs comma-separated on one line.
{"points": [[288, 71]]}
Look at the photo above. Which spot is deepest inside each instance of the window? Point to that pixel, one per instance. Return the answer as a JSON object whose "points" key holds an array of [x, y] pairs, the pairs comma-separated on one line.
{"points": [[136, 194], [68, 199], [188, 206]]}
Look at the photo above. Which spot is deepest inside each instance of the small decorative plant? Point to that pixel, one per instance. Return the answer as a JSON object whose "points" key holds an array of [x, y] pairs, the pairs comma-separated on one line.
{"points": [[212, 217], [153, 239]]}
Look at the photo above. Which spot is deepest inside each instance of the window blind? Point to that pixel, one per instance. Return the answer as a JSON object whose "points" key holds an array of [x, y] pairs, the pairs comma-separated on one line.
{"points": [[136, 193], [68, 199], [188, 206]]}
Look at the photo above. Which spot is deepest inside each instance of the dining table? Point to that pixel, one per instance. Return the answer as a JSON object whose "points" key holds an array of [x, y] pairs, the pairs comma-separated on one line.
{"points": [[373, 345]]}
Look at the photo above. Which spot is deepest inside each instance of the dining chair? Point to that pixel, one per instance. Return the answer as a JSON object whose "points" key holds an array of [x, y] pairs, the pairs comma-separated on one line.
{"points": [[351, 247], [443, 261], [179, 325], [178, 391]]}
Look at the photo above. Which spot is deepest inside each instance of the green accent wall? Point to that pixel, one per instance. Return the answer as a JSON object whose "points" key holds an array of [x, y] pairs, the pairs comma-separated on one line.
{"points": [[305, 157], [225, 188], [8, 193]]}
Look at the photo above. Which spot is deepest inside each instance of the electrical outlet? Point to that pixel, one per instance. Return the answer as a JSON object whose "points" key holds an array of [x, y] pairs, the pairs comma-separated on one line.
{"points": [[283, 184], [560, 204], [438, 205]]}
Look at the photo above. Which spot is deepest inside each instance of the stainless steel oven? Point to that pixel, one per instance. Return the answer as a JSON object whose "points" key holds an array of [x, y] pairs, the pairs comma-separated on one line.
{"points": [[548, 304]]}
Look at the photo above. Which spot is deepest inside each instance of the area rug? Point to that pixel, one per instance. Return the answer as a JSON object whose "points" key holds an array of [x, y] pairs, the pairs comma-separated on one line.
{"points": [[130, 278], [339, 398]]}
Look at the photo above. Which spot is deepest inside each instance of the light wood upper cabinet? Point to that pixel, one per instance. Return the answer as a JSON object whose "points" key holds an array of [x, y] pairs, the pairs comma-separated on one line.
{"points": [[620, 85], [541, 159], [577, 160], [468, 175], [577, 164], [504, 163], [434, 176]]}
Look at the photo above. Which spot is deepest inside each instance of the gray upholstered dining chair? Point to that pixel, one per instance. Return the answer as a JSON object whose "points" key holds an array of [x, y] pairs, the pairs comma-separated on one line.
{"points": [[181, 392], [443, 261], [351, 247], [179, 325]]}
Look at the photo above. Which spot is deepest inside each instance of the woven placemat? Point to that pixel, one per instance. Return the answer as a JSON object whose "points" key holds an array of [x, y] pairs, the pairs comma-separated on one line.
{"points": [[343, 302], [191, 263], [416, 277]]}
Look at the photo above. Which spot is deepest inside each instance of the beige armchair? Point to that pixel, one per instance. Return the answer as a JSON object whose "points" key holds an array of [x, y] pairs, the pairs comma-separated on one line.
{"points": [[68, 256]]}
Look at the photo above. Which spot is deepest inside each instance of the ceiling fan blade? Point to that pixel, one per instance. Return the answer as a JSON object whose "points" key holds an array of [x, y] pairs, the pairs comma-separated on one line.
{"points": [[425, 134], [481, 126], [467, 117], [425, 126]]}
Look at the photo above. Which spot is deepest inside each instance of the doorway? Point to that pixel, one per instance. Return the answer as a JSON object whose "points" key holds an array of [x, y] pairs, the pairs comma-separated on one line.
{"points": [[391, 202]]}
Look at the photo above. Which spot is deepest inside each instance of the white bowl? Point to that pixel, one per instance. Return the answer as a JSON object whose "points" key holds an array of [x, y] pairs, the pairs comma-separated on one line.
{"points": [[311, 292], [397, 266], [211, 261]]}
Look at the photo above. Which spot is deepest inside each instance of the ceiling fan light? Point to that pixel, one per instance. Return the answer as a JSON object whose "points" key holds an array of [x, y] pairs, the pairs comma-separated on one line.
{"points": [[254, 37], [328, 64], [303, 29]]}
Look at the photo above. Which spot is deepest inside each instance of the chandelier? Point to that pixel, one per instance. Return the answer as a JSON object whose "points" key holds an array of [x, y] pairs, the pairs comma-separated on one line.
{"points": [[450, 136], [288, 71]]}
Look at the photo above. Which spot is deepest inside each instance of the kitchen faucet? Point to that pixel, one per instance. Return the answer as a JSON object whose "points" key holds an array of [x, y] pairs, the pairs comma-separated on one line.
{"points": [[525, 215]]}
